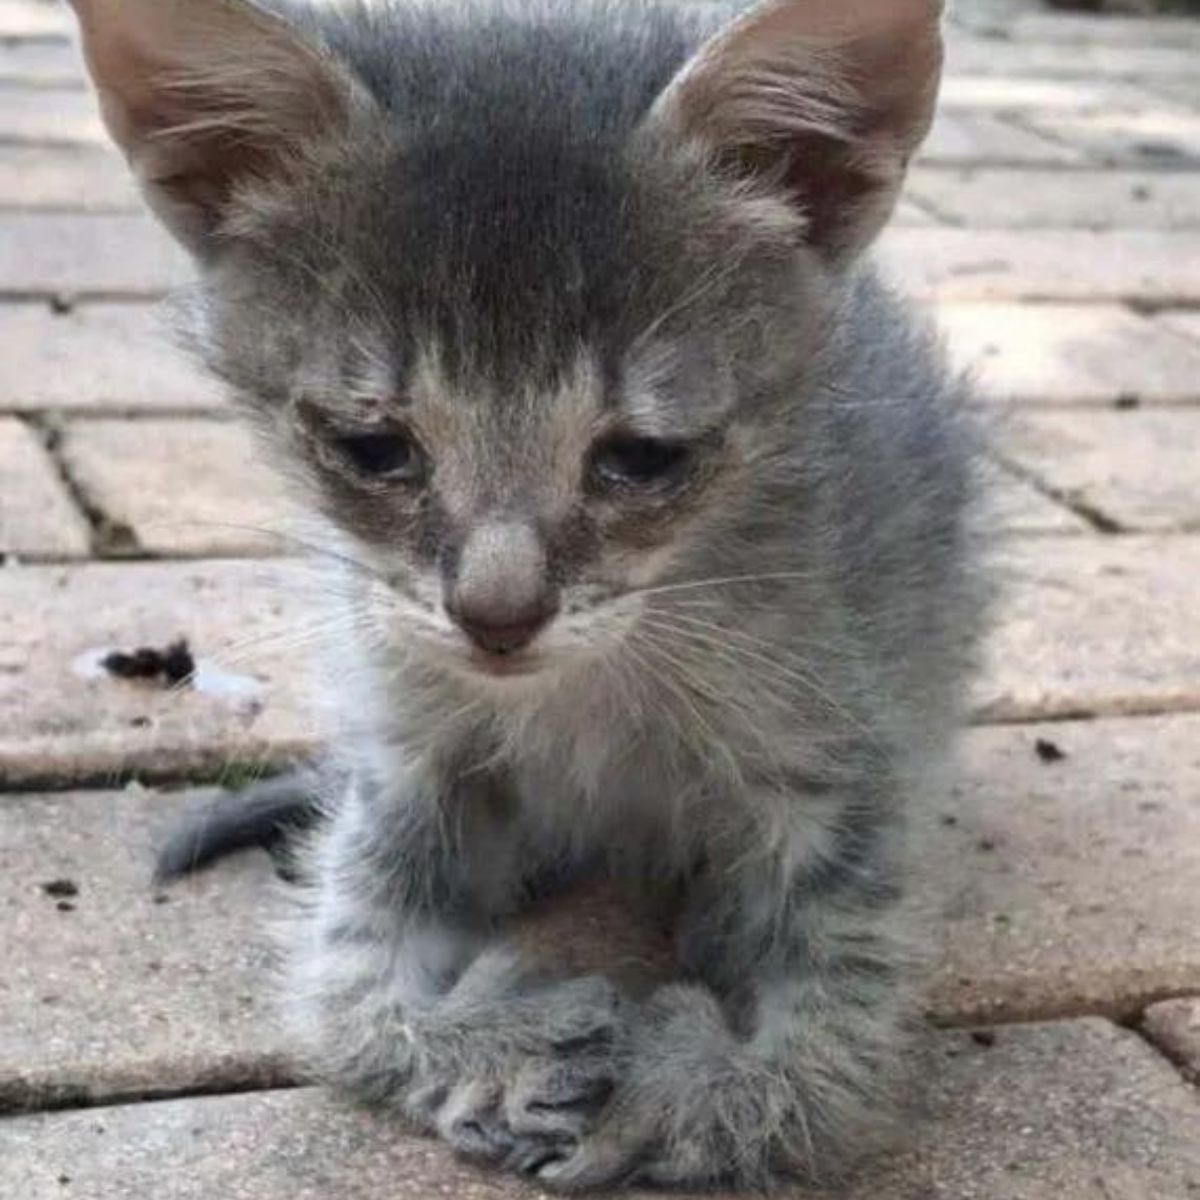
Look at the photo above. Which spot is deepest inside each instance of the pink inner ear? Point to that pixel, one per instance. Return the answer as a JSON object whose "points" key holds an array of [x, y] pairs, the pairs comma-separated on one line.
{"points": [[202, 95], [829, 99]]}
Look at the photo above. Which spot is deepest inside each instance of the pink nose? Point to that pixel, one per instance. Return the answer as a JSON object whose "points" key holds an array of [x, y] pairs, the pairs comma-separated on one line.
{"points": [[505, 636]]}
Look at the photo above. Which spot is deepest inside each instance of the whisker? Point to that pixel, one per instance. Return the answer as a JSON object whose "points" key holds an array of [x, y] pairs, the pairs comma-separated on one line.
{"points": [[725, 581], [771, 668]]}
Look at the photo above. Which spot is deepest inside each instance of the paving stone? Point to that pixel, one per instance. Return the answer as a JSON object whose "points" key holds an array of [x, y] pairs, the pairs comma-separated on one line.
{"points": [[1174, 1027], [991, 56], [996, 94], [183, 486], [114, 988], [958, 137], [1076, 1110], [1014, 506], [1183, 90], [1159, 30], [1066, 354], [34, 19], [1065, 886], [997, 198], [37, 516], [41, 64], [1137, 469], [1040, 1113], [1094, 626], [64, 719], [1049, 264], [1185, 323], [77, 179], [908, 213], [97, 357], [79, 256], [1157, 138], [51, 117]]}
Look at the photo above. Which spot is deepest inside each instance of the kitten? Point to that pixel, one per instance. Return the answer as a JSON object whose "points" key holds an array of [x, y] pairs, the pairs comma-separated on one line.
{"points": [[648, 504]]}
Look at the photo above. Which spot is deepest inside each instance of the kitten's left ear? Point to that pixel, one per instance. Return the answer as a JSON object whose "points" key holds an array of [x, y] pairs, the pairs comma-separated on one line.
{"points": [[825, 99], [205, 95]]}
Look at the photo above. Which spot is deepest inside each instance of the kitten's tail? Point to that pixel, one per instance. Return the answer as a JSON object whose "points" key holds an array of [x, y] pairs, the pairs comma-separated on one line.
{"points": [[263, 814]]}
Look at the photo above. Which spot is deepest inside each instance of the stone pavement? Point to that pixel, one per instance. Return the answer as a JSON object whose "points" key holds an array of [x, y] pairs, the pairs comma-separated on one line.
{"points": [[1054, 221]]}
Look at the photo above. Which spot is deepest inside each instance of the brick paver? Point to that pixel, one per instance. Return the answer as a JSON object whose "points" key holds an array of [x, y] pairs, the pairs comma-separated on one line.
{"points": [[1036, 1113], [59, 719], [33, 19], [37, 516], [1016, 506], [1066, 886], [1071, 29], [40, 64], [49, 116], [1185, 323], [1147, 266], [990, 56], [1092, 626], [185, 486], [1136, 469], [1008, 95], [1154, 137], [958, 137], [65, 178], [111, 987], [1054, 219], [1001, 198], [1180, 89], [1174, 1027], [1068, 354], [98, 357], [77, 256]]}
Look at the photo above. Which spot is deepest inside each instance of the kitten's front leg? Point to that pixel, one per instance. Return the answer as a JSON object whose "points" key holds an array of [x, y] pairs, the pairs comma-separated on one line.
{"points": [[410, 1001], [784, 1062]]}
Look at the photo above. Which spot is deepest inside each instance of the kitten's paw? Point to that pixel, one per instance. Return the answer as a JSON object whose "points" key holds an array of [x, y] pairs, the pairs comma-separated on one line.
{"points": [[682, 1111], [535, 1118], [523, 1088]]}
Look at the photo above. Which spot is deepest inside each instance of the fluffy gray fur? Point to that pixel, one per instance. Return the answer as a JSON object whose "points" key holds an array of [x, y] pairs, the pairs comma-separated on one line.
{"points": [[750, 666]]}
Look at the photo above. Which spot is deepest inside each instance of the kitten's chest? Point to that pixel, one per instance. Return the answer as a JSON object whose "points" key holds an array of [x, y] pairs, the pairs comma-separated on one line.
{"points": [[610, 795]]}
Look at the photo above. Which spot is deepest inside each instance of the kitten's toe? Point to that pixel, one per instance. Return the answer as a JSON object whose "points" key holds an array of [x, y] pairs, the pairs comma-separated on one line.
{"points": [[560, 1099], [471, 1122], [600, 1161]]}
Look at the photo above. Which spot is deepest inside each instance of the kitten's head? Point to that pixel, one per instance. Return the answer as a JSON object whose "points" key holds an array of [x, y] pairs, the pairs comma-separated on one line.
{"points": [[530, 300]]}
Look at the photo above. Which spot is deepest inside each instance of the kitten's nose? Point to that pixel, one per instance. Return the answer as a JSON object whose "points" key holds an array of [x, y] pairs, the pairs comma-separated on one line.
{"points": [[500, 596], [502, 639]]}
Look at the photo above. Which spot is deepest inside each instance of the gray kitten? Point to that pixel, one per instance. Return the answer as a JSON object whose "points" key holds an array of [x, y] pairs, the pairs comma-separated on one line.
{"points": [[649, 505]]}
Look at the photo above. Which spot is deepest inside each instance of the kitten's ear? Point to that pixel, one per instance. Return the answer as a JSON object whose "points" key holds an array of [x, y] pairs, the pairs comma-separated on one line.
{"points": [[826, 98], [202, 95]]}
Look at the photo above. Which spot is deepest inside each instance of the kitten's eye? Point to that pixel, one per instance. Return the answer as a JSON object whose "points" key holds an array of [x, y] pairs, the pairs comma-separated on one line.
{"points": [[387, 454], [638, 460]]}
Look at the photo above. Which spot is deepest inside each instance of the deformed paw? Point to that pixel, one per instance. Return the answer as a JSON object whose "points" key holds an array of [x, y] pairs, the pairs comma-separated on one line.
{"points": [[523, 1088]]}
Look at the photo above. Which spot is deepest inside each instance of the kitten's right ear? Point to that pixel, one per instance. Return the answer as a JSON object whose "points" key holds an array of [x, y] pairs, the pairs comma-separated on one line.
{"points": [[204, 95]]}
